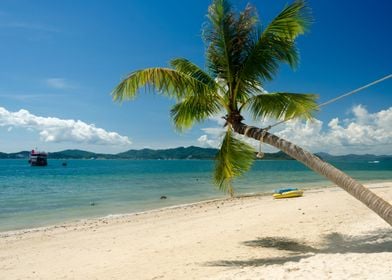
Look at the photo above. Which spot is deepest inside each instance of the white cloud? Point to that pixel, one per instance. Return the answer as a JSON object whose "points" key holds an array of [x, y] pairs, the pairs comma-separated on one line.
{"points": [[213, 135], [58, 130], [58, 83], [210, 142], [204, 141], [363, 133], [219, 119]]}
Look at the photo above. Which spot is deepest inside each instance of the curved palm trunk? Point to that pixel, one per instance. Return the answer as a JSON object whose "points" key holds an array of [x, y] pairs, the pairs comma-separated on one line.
{"points": [[360, 192]]}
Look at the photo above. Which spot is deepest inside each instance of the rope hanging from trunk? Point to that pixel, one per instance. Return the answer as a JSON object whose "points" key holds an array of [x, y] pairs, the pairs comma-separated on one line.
{"points": [[260, 154], [338, 97], [264, 131]]}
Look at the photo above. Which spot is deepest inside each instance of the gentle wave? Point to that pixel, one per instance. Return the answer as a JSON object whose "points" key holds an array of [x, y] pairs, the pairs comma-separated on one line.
{"points": [[39, 196]]}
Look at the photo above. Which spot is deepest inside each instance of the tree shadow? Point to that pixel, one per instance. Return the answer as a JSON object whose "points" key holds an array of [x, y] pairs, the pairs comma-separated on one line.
{"points": [[379, 241], [281, 243]]}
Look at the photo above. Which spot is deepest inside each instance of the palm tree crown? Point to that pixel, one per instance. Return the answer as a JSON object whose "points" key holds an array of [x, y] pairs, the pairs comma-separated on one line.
{"points": [[241, 56]]}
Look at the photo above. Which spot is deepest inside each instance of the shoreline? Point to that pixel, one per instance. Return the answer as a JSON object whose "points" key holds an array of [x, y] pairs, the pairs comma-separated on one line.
{"points": [[76, 222], [137, 213], [326, 233]]}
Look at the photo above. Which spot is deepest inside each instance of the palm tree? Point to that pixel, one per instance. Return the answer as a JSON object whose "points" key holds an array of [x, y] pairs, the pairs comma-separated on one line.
{"points": [[241, 57]]}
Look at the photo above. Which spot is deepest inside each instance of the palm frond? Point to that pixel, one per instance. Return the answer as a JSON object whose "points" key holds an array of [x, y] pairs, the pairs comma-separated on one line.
{"points": [[197, 106], [217, 35], [190, 69], [282, 105], [165, 81], [227, 37], [233, 159], [194, 108], [276, 44], [294, 20]]}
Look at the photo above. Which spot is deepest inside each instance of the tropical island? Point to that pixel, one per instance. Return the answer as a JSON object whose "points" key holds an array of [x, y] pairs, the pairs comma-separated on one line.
{"points": [[184, 153]]}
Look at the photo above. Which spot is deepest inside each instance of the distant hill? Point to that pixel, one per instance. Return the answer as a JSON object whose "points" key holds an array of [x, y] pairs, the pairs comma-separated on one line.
{"points": [[353, 157], [20, 155], [277, 156], [72, 154], [191, 152]]}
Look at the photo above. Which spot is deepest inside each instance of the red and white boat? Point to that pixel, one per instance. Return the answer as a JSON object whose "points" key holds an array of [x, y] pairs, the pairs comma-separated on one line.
{"points": [[38, 158]]}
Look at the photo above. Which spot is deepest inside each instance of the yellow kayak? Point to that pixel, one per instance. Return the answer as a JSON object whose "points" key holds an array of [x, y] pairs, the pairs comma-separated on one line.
{"points": [[288, 194]]}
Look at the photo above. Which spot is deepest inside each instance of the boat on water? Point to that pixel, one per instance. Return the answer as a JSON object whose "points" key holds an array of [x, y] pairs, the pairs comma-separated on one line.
{"points": [[287, 193], [38, 158]]}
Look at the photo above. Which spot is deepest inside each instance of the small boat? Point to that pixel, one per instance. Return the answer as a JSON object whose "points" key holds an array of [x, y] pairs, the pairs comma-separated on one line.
{"points": [[287, 193], [280, 191], [38, 158]]}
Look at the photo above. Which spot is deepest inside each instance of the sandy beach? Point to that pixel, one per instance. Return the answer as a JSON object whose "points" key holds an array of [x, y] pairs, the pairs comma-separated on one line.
{"points": [[326, 234]]}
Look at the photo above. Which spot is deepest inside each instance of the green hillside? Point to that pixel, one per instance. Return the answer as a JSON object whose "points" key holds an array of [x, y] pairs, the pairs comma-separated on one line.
{"points": [[191, 152]]}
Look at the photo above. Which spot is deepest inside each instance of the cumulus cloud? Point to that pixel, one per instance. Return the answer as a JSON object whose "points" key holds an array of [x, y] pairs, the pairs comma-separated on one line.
{"points": [[204, 141], [212, 138], [362, 132], [59, 130], [213, 135]]}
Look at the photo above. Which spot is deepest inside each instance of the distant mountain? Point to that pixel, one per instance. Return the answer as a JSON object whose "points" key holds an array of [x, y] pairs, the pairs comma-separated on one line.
{"points": [[352, 157], [191, 152], [72, 154], [277, 156], [20, 155]]}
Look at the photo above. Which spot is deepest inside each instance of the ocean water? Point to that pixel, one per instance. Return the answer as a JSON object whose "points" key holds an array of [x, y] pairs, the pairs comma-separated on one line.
{"points": [[39, 196]]}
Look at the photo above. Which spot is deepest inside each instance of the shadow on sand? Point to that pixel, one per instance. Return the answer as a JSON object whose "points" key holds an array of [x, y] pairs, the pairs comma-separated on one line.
{"points": [[373, 242]]}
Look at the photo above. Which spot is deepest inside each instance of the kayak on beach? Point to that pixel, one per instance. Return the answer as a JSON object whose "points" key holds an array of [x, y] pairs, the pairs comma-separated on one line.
{"points": [[287, 193]]}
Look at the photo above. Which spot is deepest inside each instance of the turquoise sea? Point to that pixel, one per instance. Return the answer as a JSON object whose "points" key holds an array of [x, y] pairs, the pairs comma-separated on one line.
{"points": [[39, 196]]}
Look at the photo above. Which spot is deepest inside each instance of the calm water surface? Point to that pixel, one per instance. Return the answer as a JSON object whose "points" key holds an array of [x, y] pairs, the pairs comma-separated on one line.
{"points": [[37, 196]]}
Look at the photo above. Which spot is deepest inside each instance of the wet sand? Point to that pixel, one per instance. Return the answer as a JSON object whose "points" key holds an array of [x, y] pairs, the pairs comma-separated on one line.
{"points": [[326, 234]]}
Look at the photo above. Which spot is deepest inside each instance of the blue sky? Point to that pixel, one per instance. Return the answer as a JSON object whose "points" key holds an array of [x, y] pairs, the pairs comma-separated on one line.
{"points": [[59, 61]]}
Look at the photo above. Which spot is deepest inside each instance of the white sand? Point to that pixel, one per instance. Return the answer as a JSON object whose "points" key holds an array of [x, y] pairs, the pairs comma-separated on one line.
{"points": [[326, 234]]}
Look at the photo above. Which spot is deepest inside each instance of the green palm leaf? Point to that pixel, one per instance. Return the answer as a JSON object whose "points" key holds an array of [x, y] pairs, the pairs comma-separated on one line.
{"points": [[195, 108], [282, 105], [192, 70], [229, 38], [166, 81], [294, 20], [233, 159], [275, 45], [217, 34]]}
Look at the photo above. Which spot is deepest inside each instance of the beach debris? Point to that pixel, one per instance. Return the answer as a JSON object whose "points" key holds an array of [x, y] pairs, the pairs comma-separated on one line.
{"points": [[163, 197]]}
